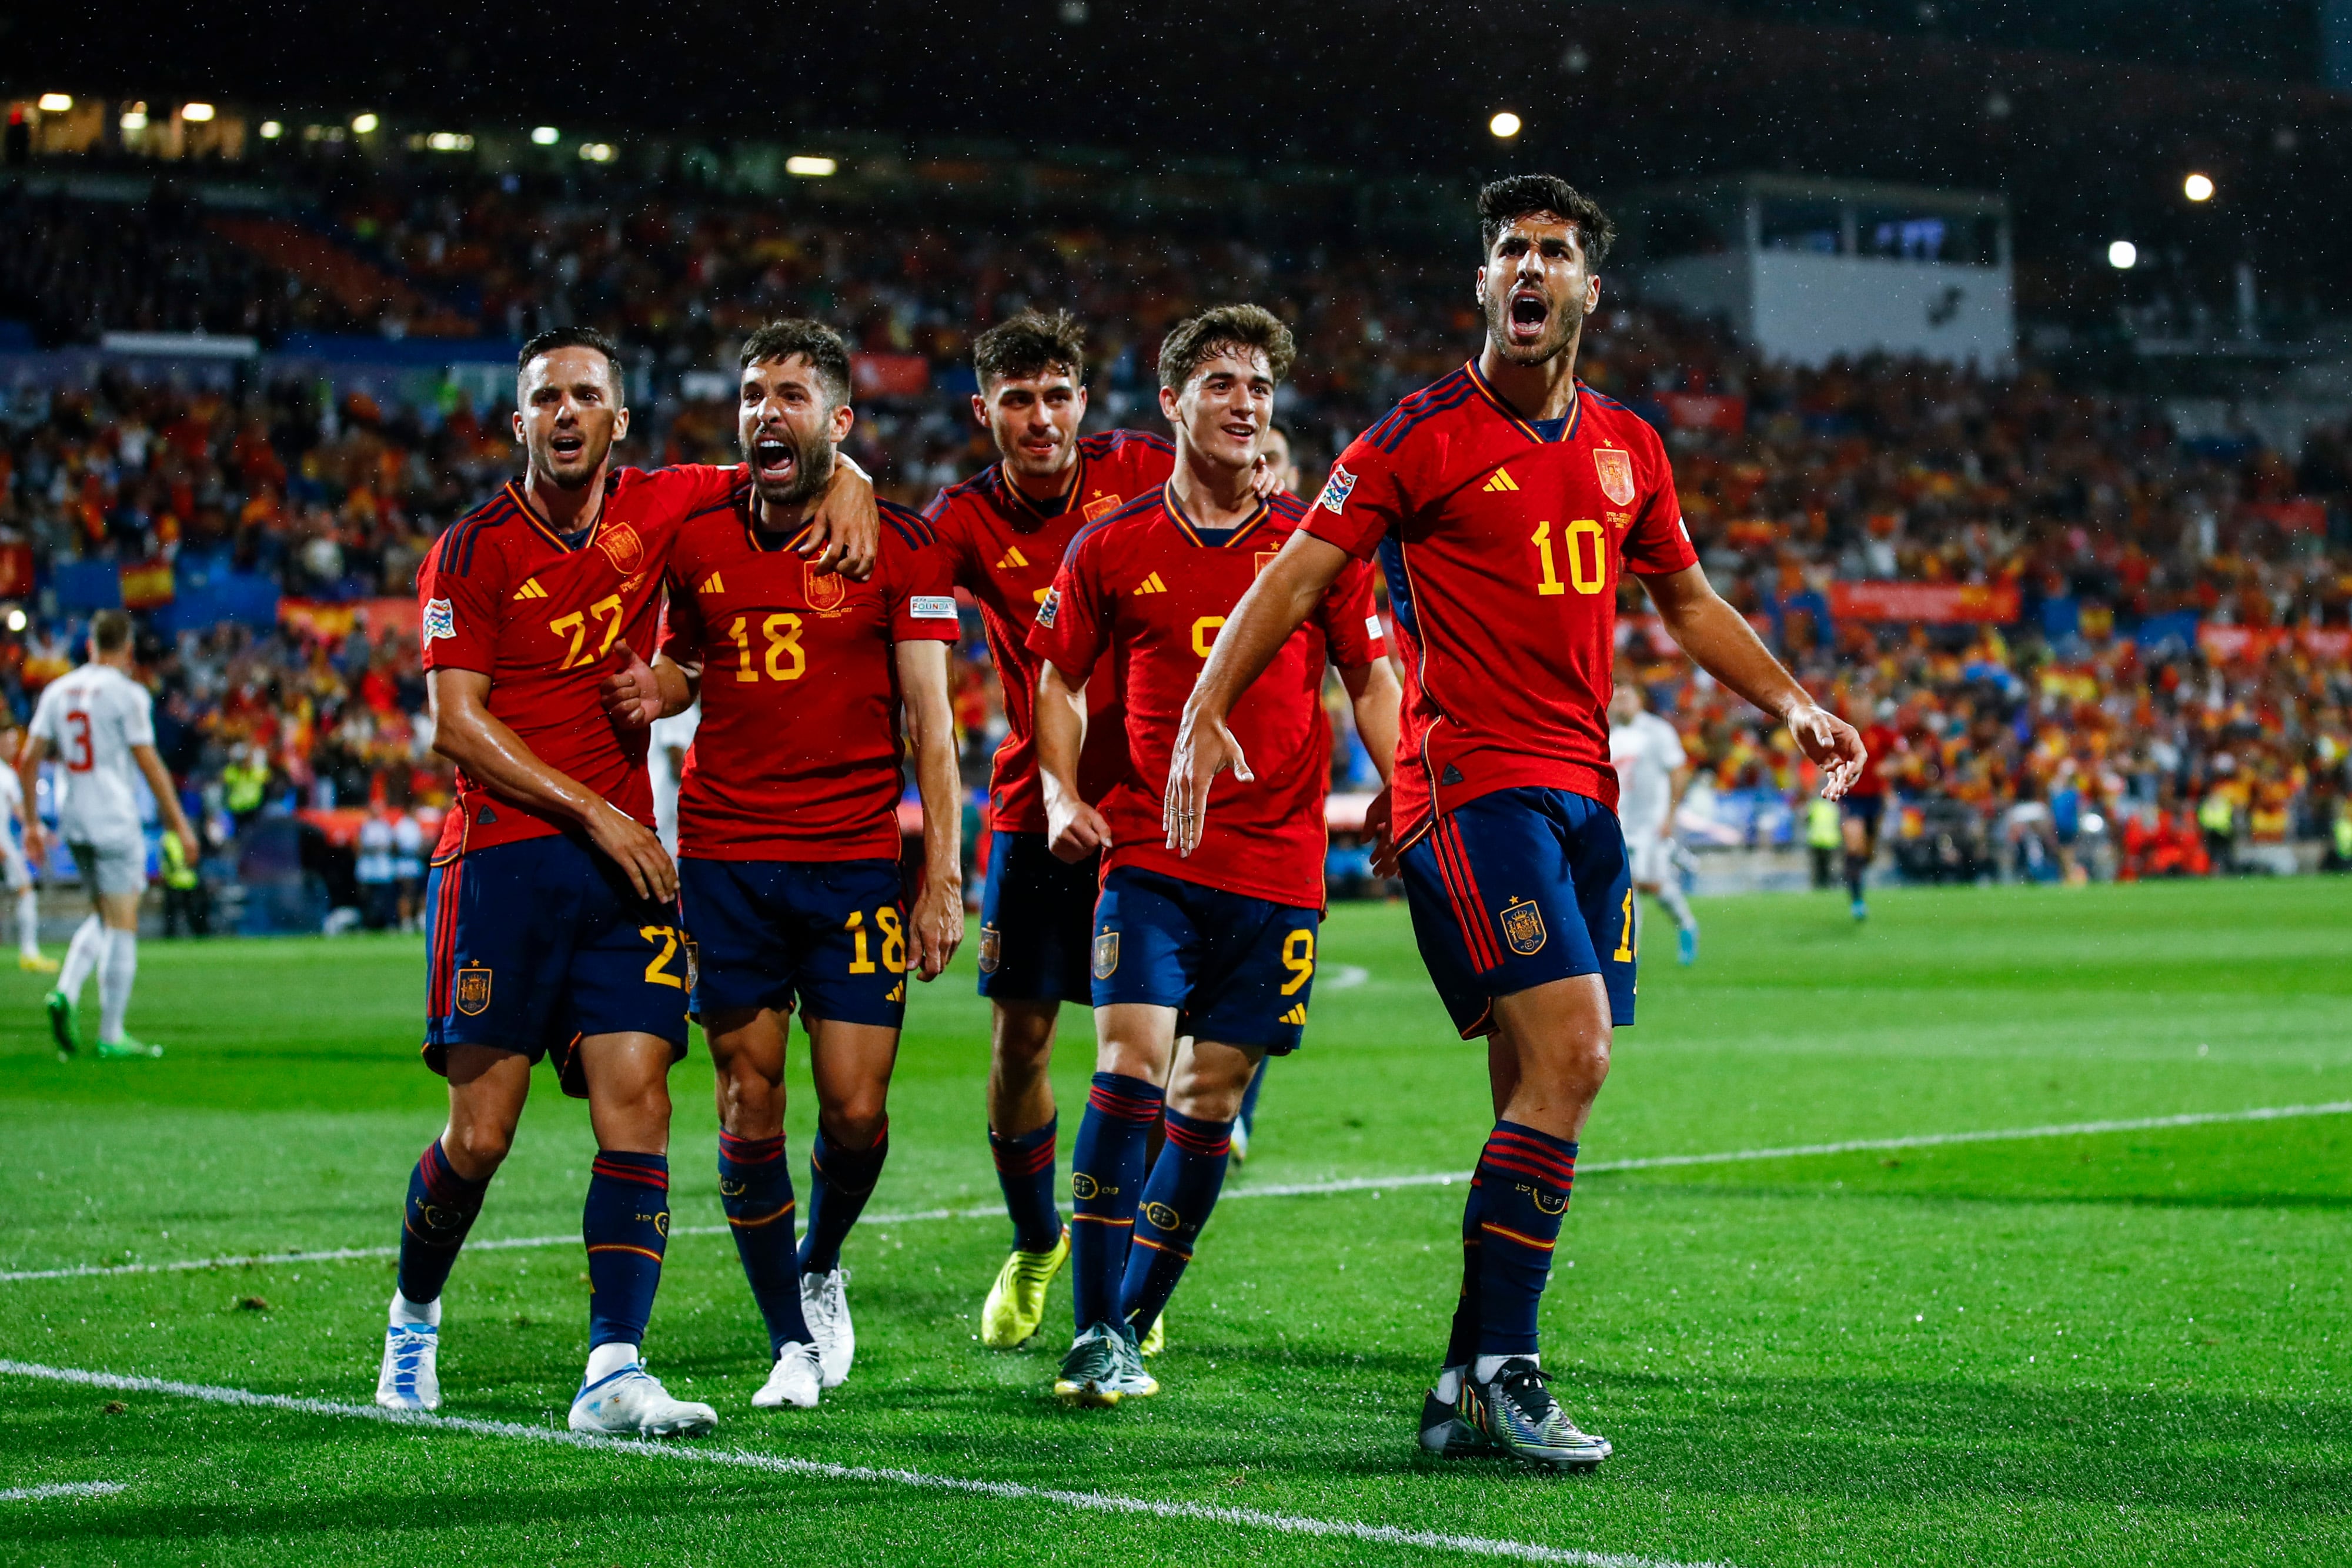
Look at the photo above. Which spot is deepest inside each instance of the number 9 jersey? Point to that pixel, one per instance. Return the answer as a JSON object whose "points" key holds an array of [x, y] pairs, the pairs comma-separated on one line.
{"points": [[1504, 544]]}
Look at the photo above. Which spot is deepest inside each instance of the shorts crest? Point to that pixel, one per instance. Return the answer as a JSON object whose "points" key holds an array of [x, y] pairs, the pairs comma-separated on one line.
{"points": [[992, 950], [473, 989], [1106, 955], [1523, 927]]}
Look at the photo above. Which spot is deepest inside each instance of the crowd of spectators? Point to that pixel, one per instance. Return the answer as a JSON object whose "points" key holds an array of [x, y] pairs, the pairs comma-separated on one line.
{"points": [[2094, 708]]}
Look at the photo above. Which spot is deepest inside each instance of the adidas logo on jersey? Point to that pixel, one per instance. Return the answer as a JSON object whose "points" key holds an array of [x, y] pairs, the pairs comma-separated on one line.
{"points": [[531, 590], [710, 585], [1151, 584], [1013, 557], [1500, 482], [1297, 1015]]}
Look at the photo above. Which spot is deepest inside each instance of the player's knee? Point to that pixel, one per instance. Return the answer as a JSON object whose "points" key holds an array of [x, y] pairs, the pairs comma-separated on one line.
{"points": [[477, 1148], [856, 1120], [751, 1105]]}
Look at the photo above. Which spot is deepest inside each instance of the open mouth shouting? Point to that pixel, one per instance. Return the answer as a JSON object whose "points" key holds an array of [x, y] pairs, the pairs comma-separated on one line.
{"points": [[567, 448], [1527, 317], [774, 462]]}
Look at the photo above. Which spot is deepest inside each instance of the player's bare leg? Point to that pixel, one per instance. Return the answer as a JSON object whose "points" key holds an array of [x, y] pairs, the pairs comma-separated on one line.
{"points": [[626, 1225], [755, 1185], [1021, 1131], [851, 1063], [1548, 1058]]}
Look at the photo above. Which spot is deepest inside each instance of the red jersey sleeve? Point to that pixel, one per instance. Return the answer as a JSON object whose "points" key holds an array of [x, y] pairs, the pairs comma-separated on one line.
{"points": [[1074, 622], [1361, 500], [683, 631], [1351, 624], [1658, 542], [920, 592], [458, 624]]}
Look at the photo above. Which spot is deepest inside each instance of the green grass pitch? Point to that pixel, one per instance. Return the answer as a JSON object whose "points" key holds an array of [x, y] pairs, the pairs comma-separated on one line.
{"points": [[2120, 1347]]}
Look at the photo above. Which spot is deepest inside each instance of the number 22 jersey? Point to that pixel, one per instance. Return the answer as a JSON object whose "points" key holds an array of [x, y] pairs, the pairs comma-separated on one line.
{"points": [[1503, 544]]}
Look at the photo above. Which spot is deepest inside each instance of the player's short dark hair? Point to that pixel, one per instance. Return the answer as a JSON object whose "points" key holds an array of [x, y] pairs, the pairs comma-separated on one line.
{"points": [[826, 349], [1031, 344], [1199, 339], [110, 630], [556, 338], [1516, 195]]}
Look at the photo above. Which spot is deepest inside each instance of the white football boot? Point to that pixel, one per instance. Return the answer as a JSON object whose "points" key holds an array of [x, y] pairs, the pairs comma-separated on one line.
{"points": [[632, 1403], [410, 1380], [824, 1302], [796, 1381]]}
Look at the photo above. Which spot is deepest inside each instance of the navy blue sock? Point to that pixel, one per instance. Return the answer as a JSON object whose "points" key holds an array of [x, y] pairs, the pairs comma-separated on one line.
{"points": [[1248, 1117], [441, 1208], [1524, 1181], [840, 1181], [1462, 1338], [1176, 1200], [1105, 1178], [626, 1225], [1024, 1169], [755, 1188]]}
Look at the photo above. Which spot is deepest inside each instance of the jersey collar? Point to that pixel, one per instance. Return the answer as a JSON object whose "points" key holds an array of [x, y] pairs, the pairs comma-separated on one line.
{"points": [[756, 537], [531, 514], [1018, 500], [1527, 427], [1186, 526]]}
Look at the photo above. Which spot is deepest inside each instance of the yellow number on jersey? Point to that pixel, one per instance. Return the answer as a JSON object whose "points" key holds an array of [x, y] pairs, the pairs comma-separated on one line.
{"points": [[1573, 537], [1298, 958], [657, 972], [782, 633], [1550, 584], [1624, 954], [1204, 633], [575, 626]]}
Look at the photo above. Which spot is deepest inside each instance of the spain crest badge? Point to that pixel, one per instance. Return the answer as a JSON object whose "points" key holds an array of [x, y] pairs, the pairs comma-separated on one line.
{"points": [[622, 548], [1616, 471], [992, 950], [1523, 927], [473, 989], [1106, 955], [825, 592]]}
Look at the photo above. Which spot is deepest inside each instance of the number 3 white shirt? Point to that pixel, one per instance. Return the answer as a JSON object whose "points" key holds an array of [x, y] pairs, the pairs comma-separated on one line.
{"points": [[1646, 752], [91, 718]]}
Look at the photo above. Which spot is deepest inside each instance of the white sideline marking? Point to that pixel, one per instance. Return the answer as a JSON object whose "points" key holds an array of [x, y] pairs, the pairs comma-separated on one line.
{"points": [[1341, 977], [61, 1489], [1288, 1189], [1099, 1502]]}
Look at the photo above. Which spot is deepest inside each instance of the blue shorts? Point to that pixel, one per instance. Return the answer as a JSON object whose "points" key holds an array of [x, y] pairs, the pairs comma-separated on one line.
{"points": [[534, 945], [1518, 889], [1036, 917], [1238, 969], [1866, 809], [829, 936]]}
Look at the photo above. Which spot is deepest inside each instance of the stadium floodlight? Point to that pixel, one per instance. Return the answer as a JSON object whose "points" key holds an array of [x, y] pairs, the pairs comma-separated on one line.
{"points": [[17, 620], [450, 142], [135, 117], [196, 112], [2123, 255], [596, 152], [812, 168], [365, 124], [2198, 187], [546, 136], [56, 103], [271, 130], [1505, 124]]}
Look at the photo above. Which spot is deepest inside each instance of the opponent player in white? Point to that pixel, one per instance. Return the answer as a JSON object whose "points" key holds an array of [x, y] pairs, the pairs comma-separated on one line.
{"points": [[17, 872], [1652, 773], [99, 723]]}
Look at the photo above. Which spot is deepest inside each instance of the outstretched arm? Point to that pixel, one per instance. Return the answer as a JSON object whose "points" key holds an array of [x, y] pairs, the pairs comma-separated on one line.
{"points": [[1283, 595], [467, 733], [937, 918], [1719, 638]]}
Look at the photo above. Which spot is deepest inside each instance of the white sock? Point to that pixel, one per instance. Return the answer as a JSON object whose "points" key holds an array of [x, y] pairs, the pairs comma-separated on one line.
{"points": [[28, 923], [87, 953], [1486, 1367], [114, 977], [1449, 1384], [404, 1311], [1669, 894], [608, 1359]]}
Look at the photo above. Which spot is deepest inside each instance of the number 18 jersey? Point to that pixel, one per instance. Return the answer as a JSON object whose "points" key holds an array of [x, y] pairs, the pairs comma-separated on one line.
{"points": [[1504, 544]]}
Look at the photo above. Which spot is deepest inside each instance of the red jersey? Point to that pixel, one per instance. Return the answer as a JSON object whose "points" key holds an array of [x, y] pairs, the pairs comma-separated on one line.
{"points": [[1149, 590], [799, 751], [1880, 742], [1503, 546], [504, 595], [1005, 549]]}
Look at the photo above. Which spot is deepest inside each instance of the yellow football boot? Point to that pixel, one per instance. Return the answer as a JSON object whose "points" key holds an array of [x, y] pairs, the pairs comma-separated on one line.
{"points": [[1016, 1302]]}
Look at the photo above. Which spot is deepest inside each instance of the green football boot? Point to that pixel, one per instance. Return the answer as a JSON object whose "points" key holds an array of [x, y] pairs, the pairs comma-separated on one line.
{"points": [[61, 1023], [127, 1049]]}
